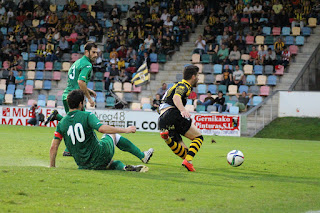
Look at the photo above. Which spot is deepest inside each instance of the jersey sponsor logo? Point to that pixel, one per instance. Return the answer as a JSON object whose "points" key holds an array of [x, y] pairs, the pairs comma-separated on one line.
{"points": [[88, 66]]}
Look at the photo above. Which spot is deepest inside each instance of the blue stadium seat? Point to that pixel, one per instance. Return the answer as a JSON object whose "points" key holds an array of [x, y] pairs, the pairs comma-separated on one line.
{"points": [[272, 80], [33, 48], [128, 97], [19, 93], [47, 85], [189, 102], [243, 88], [289, 40], [258, 69], [299, 40], [201, 108], [30, 82], [124, 8], [202, 88], [11, 88], [266, 30], [4, 30], [306, 31], [251, 80], [90, 85], [39, 75], [40, 65], [212, 88], [217, 69], [42, 97], [146, 106], [108, 23], [25, 56], [234, 110], [110, 101], [42, 103], [222, 88], [153, 57], [100, 15], [285, 31], [256, 100], [209, 79]]}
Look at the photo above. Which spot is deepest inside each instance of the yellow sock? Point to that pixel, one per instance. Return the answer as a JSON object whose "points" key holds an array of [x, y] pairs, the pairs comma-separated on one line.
{"points": [[176, 148], [194, 148]]}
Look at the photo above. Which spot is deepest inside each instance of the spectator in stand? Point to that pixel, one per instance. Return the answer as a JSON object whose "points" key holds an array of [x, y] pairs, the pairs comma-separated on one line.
{"points": [[262, 54], [145, 59], [219, 102], [156, 102], [114, 56], [164, 15], [243, 100], [234, 55], [114, 76], [64, 45], [133, 64], [168, 24], [148, 42], [35, 117], [247, 12], [278, 46], [200, 45], [20, 78], [141, 52], [253, 56], [223, 54], [168, 46], [227, 76], [270, 57], [121, 63], [285, 57], [122, 52], [209, 100], [299, 17], [130, 53], [10, 79], [98, 6], [190, 20], [238, 76], [58, 53], [162, 89]]}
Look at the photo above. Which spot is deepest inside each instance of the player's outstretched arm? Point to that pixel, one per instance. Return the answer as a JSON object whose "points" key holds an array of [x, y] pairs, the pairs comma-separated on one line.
{"points": [[113, 130], [53, 151], [84, 88], [178, 102]]}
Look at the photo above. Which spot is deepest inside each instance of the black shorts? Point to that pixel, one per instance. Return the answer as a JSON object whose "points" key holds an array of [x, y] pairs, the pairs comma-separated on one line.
{"points": [[176, 124]]}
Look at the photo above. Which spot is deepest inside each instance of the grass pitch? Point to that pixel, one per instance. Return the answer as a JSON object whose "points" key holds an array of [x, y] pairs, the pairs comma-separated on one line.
{"points": [[277, 176]]}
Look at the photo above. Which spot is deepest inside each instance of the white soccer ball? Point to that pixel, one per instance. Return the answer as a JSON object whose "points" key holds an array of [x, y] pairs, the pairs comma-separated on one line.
{"points": [[235, 158]]}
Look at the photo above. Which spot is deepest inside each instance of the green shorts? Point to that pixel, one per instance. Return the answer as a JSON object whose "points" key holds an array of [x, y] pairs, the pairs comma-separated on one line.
{"points": [[106, 153]]}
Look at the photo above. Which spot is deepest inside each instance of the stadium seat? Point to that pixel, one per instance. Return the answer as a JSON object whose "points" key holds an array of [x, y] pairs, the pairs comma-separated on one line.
{"points": [[296, 31], [56, 76], [136, 106], [264, 90], [266, 30], [251, 80], [75, 56], [285, 31], [293, 49], [272, 80], [259, 40], [201, 79], [127, 87], [66, 57], [38, 84], [300, 40], [145, 100], [276, 31], [306, 31], [25, 56], [128, 97], [98, 86], [249, 39], [8, 99], [217, 69], [219, 78], [154, 68], [248, 69], [209, 79], [153, 57], [57, 65], [11, 88], [269, 40], [261, 80], [47, 75], [18, 94], [268, 70], [52, 97], [189, 101], [162, 58], [312, 22], [110, 101], [51, 103], [258, 69], [208, 69], [232, 89], [189, 108], [234, 110], [65, 66], [137, 89], [202, 97], [39, 75], [33, 48], [98, 76], [48, 65], [31, 65], [256, 100], [195, 58], [41, 103], [40, 65], [117, 87], [200, 66], [244, 20], [289, 40], [243, 88], [222, 88], [279, 69], [255, 90], [205, 58], [212, 88], [28, 89], [47, 85], [29, 82], [202, 88], [212, 109]]}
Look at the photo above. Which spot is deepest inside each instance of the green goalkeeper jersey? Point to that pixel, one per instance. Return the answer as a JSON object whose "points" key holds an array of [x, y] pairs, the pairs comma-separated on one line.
{"points": [[77, 130], [80, 70]]}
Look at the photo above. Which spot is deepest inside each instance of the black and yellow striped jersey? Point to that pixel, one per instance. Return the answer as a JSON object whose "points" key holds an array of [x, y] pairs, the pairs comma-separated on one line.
{"points": [[182, 88]]}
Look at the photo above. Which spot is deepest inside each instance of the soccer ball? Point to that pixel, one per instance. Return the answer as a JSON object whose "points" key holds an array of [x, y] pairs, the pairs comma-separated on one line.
{"points": [[235, 158]]}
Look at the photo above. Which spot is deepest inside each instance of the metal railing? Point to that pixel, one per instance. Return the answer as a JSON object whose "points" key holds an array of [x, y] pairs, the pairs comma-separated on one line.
{"points": [[262, 114]]}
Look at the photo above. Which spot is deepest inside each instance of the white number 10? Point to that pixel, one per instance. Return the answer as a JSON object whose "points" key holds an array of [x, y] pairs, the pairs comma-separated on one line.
{"points": [[76, 133]]}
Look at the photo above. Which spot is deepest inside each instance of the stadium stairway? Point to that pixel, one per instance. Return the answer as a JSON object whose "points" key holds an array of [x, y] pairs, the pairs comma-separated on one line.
{"points": [[169, 70], [257, 120]]}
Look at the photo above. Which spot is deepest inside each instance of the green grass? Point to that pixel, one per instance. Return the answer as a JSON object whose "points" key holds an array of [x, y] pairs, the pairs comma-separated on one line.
{"points": [[277, 176], [292, 128]]}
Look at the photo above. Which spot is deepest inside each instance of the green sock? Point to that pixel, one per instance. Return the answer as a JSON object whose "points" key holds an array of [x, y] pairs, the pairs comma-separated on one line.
{"points": [[59, 117], [125, 145], [117, 165]]}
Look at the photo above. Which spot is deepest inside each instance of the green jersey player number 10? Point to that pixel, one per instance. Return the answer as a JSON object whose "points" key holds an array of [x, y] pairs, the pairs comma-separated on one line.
{"points": [[76, 132]]}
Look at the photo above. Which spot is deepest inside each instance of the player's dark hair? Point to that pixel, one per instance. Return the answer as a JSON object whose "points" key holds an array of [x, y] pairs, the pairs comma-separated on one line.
{"points": [[88, 46], [75, 97], [189, 71]]}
